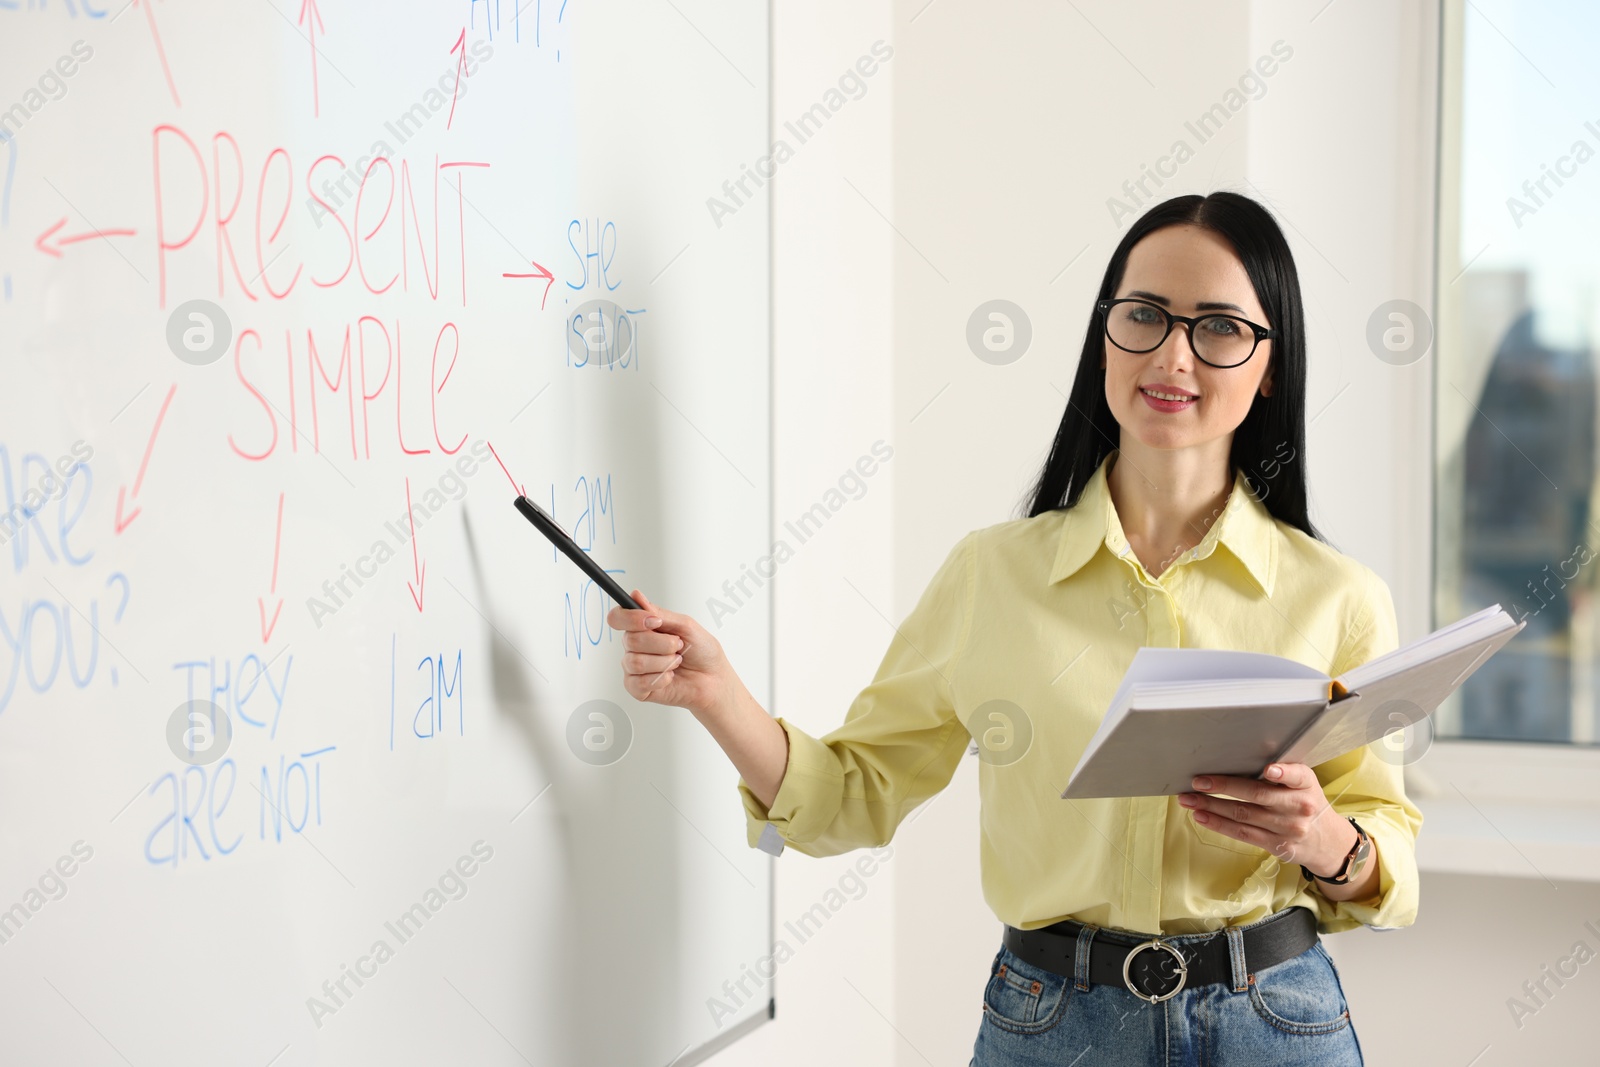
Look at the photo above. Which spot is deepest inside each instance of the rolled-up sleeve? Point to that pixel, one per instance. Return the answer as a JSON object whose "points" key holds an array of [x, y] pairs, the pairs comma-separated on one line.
{"points": [[901, 740], [1368, 784]]}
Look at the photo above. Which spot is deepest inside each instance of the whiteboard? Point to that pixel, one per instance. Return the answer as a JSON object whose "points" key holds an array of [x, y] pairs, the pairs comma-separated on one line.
{"points": [[295, 297]]}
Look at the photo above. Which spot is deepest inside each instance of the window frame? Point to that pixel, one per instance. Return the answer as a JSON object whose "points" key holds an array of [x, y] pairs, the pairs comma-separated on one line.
{"points": [[1513, 808]]}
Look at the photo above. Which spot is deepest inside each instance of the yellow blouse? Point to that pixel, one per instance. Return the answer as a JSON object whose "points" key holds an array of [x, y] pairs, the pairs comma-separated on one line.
{"points": [[1044, 614]]}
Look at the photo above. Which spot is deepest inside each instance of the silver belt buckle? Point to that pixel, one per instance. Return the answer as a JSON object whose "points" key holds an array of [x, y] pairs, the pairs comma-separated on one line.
{"points": [[1154, 943]]}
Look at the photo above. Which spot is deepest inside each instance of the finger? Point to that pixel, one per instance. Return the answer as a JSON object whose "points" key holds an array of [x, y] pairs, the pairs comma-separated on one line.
{"points": [[669, 620], [661, 677], [643, 663], [1293, 775], [632, 619], [1250, 835], [1237, 811], [645, 603], [621, 618], [641, 683], [658, 666], [665, 620], [652, 641], [1244, 788]]}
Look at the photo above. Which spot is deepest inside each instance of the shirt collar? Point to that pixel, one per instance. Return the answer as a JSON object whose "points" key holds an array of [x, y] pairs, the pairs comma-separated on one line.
{"points": [[1245, 528]]}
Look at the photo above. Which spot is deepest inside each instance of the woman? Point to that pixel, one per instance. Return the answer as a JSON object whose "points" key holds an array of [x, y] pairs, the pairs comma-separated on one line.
{"points": [[1171, 512]]}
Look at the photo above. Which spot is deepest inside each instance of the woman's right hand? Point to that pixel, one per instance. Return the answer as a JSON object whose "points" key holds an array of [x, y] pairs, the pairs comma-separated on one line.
{"points": [[675, 662]]}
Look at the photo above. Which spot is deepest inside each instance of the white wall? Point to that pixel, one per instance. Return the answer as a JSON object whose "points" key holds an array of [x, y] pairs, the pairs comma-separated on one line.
{"points": [[832, 380], [1007, 142], [990, 145]]}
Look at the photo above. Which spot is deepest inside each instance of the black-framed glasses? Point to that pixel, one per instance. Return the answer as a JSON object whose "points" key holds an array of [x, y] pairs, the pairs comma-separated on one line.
{"points": [[1135, 325]]}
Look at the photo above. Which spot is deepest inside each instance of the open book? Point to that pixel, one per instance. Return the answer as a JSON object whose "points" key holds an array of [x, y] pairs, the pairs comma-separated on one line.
{"points": [[1186, 711]]}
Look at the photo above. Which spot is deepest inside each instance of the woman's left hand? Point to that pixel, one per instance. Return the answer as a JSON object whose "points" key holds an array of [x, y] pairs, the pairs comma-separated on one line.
{"points": [[1287, 814]]}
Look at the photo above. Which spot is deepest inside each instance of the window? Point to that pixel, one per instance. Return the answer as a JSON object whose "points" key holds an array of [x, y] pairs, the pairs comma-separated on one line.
{"points": [[1515, 390]]}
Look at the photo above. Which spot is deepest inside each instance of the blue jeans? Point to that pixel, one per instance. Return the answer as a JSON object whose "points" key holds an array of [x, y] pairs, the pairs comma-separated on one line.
{"points": [[1288, 1014]]}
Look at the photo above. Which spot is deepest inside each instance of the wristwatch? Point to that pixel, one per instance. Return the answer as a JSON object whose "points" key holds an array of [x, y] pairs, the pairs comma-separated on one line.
{"points": [[1354, 860]]}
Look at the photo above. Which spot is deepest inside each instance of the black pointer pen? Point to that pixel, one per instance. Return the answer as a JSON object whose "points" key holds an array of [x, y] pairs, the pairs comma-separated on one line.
{"points": [[558, 537]]}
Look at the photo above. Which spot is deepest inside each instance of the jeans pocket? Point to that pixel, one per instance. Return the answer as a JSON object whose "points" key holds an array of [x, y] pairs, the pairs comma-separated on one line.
{"points": [[1022, 998], [1301, 995]]}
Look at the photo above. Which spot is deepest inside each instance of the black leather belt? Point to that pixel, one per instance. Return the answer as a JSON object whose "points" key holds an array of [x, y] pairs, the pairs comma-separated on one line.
{"points": [[1157, 968]]}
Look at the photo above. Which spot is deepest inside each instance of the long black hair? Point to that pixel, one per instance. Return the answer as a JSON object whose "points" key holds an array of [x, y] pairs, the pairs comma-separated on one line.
{"points": [[1088, 430]]}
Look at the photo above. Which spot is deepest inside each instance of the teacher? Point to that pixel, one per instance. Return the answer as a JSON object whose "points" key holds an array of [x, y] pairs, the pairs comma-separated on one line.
{"points": [[1171, 512]]}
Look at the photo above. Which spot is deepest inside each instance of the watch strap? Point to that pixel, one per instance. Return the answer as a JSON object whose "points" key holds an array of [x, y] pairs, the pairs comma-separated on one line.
{"points": [[1352, 860]]}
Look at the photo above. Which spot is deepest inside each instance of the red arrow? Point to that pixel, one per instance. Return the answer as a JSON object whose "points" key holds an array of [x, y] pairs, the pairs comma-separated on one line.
{"points": [[261, 603], [312, 25], [549, 280], [520, 489], [121, 521], [43, 243], [461, 44], [150, 15], [419, 569]]}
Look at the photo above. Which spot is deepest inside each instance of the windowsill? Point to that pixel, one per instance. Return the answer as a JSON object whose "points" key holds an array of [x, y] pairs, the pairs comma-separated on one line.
{"points": [[1513, 810]]}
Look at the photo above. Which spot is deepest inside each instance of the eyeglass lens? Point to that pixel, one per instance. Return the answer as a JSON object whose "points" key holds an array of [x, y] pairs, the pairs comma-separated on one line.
{"points": [[1219, 339]]}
